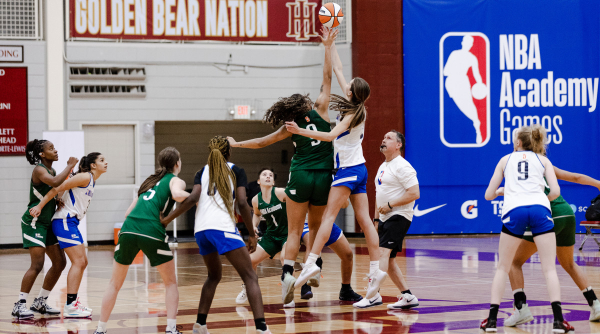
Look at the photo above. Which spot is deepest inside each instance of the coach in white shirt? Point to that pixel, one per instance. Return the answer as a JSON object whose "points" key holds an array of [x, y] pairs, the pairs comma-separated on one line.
{"points": [[397, 188]]}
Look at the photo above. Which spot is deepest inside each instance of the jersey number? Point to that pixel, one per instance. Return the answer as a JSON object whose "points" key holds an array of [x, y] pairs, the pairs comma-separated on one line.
{"points": [[523, 169], [313, 128], [274, 221], [152, 193]]}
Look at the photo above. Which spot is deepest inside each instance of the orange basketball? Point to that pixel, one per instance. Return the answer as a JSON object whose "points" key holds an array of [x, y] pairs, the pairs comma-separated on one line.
{"points": [[331, 15]]}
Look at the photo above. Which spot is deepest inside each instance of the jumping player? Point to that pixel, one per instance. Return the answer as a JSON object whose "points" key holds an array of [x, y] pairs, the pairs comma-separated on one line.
{"points": [[310, 172], [224, 185], [37, 231], [142, 230], [526, 205]]}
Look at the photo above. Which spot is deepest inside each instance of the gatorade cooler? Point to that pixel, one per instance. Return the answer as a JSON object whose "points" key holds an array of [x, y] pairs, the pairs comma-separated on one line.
{"points": [[117, 231]]}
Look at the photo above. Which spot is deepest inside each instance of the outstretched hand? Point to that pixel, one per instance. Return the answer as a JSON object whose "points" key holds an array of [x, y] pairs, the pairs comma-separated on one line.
{"points": [[232, 141], [328, 35], [292, 127]]}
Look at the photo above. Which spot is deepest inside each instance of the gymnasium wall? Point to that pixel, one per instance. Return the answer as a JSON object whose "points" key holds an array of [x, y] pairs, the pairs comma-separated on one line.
{"points": [[15, 172]]}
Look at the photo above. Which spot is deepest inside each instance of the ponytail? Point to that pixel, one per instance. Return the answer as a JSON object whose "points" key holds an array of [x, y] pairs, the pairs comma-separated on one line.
{"points": [[533, 138], [167, 160], [152, 180], [85, 164], [33, 150], [220, 175]]}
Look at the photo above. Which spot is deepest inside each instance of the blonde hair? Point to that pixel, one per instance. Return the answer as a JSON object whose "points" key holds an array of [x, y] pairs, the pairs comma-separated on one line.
{"points": [[533, 138], [219, 173]]}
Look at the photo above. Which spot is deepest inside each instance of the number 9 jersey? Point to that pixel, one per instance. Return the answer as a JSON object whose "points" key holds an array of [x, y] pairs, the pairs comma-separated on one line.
{"points": [[524, 181], [311, 153]]}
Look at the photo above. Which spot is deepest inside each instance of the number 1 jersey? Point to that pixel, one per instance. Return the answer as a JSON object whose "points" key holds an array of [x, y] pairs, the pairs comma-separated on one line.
{"points": [[524, 181]]}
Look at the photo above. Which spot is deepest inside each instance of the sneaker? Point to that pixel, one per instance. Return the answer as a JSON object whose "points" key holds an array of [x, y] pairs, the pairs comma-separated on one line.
{"points": [[366, 302], [290, 305], [258, 331], [350, 296], [306, 292], [562, 327], [75, 310], [595, 312], [519, 316], [406, 318], [98, 332], [488, 325], [315, 281], [199, 329], [308, 272], [287, 288], [173, 330], [81, 306], [405, 301], [375, 280], [20, 311], [242, 297], [41, 306]]}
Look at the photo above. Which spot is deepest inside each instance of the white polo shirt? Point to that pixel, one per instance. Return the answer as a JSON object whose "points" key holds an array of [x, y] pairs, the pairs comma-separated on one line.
{"points": [[391, 182]]}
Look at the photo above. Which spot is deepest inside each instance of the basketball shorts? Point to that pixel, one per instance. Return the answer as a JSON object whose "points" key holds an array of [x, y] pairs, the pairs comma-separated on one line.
{"points": [[272, 243], [36, 233], [67, 232], [311, 185], [210, 241], [537, 217], [335, 235], [354, 178], [564, 226], [157, 251], [392, 233]]}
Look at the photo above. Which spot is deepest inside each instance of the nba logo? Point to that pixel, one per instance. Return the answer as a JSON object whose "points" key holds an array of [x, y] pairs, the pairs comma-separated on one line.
{"points": [[464, 89]]}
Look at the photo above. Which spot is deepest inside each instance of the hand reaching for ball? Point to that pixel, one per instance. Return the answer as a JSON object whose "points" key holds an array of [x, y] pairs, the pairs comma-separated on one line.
{"points": [[328, 35]]}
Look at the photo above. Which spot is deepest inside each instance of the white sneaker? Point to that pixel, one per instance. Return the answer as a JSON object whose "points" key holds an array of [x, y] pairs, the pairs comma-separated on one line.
{"points": [[405, 301], [315, 281], [292, 304], [595, 312], [20, 311], [307, 272], [366, 302], [519, 316], [242, 297], [407, 318], [375, 280], [199, 329], [287, 288], [76, 310], [173, 331], [41, 306], [258, 331]]}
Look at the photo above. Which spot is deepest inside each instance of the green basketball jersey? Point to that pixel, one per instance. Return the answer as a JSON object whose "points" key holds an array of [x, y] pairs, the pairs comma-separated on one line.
{"points": [[144, 219], [275, 214], [36, 194], [311, 153], [559, 206]]}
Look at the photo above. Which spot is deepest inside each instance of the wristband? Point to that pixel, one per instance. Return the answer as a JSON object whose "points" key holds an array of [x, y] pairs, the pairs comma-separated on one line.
{"points": [[389, 205], [377, 220]]}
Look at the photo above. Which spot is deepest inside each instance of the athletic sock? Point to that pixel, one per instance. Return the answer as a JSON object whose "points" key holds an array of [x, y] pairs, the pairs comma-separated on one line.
{"points": [[319, 262], [201, 319], [346, 287], [312, 258], [23, 297], [494, 311], [44, 293], [288, 267], [557, 311], [71, 297], [260, 324], [589, 295], [520, 298], [407, 291], [172, 324], [373, 266], [101, 327]]}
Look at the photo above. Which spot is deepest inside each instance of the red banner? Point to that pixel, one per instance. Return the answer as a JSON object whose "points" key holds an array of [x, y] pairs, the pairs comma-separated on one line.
{"points": [[216, 20], [13, 110]]}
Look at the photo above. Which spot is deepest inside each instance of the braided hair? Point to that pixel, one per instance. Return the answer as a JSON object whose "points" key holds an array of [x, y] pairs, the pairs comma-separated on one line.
{"points": [[33, 149], [287, 109], [167, 160], [219, 173], [356, 106]]}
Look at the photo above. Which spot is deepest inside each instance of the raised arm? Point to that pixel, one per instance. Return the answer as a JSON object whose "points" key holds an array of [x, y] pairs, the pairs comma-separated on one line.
{"points": [[292, 127], [496, 180], [261, 142], [178, 192], [322, 102], [338, 69], [576, 178], [42, 175]]}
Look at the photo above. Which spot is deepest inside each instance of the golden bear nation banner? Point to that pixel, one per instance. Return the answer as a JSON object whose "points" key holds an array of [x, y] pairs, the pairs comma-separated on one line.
{"points": [[216, 20]]}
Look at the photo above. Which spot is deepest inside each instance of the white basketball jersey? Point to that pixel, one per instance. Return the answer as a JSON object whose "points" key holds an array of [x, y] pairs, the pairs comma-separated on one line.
{"points": [[348, 146], [524, 181], [77, 200], [211, 213]]}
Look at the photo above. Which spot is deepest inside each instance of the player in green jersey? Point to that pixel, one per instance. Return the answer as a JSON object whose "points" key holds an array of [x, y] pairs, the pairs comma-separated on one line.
{"points": [[37, 231], [312, 163], [564, 227], [142, 230]]}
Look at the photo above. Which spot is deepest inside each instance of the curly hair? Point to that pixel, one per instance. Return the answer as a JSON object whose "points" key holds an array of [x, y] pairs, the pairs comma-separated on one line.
{"points": [[219, 173], [287, 109], [33, 149]]}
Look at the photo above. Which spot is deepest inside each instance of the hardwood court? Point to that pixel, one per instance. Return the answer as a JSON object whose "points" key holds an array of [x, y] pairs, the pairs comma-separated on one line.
{"points": [[451, 276]]}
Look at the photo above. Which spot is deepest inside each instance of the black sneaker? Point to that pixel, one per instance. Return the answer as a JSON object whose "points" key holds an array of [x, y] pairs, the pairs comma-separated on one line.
{"points": [[306, 292], [562, 327], [349, 295], [488, 325]]}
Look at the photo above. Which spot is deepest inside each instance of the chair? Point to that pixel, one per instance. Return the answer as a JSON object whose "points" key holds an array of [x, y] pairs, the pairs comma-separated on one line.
{"points": [[589, 226]]}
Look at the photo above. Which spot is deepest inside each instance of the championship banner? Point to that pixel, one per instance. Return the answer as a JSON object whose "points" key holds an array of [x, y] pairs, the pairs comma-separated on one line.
{"points": [[13, 110], [216, 20], [474, 72]]}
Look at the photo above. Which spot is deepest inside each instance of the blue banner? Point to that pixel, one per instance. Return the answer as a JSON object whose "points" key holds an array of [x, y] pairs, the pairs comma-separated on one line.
{"points": [[475, 71]]}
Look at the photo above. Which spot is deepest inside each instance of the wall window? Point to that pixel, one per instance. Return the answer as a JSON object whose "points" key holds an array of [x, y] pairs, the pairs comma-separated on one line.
{"points": [[117, 144]]}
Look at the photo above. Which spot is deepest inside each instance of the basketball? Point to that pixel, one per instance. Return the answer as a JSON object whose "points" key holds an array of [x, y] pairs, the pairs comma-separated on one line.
{"points": [[331, 15], [479, 91]]}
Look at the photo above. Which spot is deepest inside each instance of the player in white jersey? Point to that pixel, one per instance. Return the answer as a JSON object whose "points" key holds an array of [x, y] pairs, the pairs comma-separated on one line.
{"points": [[77, 193], [526, 205], [350, 180]]}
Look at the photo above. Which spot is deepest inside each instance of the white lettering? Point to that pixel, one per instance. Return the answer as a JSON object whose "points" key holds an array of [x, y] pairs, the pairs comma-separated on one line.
{"points": [[81, 16], [506, 96], [250, 20], [577, 85], [129, 29], [261, 19], [140, 17], [116, 15], [104, 28], [547, 90], [94, 16], [169, 18], [210, 19], [504, 131], [193, 14], [557, 121], [181, 27], [520, 52], [560, 90], [534, 53], [223, 20], [506, 52], [158, 17], [533, 97], [519, 85], [233, 6], [593, 94]]}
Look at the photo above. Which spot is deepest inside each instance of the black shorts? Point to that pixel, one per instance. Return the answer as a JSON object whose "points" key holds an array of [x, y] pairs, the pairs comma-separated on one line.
{"points": [[392, 233]]}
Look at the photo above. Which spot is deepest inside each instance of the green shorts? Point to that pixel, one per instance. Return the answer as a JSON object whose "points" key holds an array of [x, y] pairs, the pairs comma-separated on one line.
{"points": [[564, 228], [157, 251], [310, 185], [35, 233], [271, 243]]}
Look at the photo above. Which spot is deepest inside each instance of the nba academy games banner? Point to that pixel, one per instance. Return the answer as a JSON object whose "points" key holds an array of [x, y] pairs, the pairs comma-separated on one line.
{"points": [[475, 71], [13, 110], [217, 20]]}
